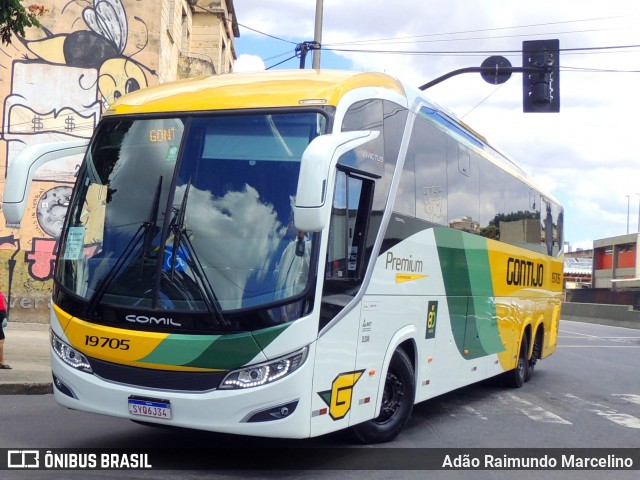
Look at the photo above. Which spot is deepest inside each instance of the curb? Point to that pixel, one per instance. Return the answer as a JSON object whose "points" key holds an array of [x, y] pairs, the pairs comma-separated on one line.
{"points": [[26, 388]]}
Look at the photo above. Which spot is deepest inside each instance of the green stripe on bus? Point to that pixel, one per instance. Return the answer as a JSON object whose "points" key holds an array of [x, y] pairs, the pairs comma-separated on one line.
{"points": [[228, 352], [212, 351], [484, 310], [233, 351], [478, 267], [267, 335], [453, 261], [179, 349], [458, 316], [464, 261], [223, 352]]}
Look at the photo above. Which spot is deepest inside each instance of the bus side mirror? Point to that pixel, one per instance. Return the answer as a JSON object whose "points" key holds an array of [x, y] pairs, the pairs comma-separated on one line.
{"points": [[312, 208], [21, 172]]}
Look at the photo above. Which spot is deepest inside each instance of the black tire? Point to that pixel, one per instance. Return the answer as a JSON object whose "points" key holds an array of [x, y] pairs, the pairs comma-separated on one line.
{"points": [[397, 403], [535, 356], [515, 378]]}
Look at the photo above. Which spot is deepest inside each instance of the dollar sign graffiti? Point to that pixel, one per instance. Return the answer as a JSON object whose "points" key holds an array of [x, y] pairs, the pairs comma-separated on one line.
{"points": [[70, 124], [37, 123]]}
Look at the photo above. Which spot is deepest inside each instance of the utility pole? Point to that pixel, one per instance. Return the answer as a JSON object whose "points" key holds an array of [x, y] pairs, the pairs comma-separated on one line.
{"points": [[317, 37], [638, 212], [628, 203]]}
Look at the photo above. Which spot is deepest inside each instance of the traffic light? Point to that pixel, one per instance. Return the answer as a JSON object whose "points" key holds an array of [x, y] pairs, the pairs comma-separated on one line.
{"points": [[541, 90]]}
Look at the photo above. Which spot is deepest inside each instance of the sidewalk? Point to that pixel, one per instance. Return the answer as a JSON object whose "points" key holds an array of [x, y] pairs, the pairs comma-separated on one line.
{"points": [[26, 349]]}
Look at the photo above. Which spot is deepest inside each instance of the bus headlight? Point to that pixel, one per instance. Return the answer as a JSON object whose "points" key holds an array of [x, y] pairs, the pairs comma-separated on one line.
{"points": [[69, 355], [263, 373]]}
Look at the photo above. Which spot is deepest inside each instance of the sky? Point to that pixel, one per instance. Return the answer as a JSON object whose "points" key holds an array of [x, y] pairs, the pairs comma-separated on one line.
{"points": [[584, 156]]}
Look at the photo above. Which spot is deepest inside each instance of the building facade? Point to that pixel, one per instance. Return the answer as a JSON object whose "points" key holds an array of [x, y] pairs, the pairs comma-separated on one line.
{"points": [[578, 269], [616, 262], [55, 82]]}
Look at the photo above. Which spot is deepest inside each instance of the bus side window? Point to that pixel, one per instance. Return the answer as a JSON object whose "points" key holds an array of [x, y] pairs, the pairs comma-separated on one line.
{"points": [[429, 145], [551, 224], [463, 185]]}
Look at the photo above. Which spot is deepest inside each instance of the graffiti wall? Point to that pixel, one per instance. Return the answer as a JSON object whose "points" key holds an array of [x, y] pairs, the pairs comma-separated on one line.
{"points": [[55, 82]]}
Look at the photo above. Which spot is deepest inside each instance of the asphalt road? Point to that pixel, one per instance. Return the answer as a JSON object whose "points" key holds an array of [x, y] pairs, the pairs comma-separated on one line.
{"points": [[586, 395]]}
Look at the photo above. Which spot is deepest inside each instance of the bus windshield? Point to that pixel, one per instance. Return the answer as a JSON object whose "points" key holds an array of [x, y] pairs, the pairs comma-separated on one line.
{"points": [[190, 213]]}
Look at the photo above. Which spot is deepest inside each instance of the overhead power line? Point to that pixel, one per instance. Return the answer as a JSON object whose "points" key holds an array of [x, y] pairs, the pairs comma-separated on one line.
{"points": [[478, 52], [355, 42], [469, 39], [267, 34]]}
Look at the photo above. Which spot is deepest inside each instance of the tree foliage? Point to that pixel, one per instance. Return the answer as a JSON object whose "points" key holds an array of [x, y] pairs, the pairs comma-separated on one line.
{"points": [[15, 17], [493, 229]]}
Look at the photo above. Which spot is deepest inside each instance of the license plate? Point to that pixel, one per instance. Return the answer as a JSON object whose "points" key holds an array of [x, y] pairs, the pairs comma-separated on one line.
{"points": [[147, 407]]}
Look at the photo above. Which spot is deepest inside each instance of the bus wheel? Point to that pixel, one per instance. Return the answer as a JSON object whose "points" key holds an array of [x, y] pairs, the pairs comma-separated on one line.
{"points": [[515, 378], [535, 356], [397, 403]]}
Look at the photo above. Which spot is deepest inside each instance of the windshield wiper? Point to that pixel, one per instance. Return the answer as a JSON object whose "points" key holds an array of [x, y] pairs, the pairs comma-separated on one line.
{"points": [[177, 228], [146, 230], [150, 227], [113, 272], [191, 257]]}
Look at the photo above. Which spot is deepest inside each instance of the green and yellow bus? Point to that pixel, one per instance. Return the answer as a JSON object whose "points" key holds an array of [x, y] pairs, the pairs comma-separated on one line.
{"points": [[291, 253]]}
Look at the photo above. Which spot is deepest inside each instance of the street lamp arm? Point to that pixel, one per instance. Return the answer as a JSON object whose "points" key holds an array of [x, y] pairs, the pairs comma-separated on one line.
{"points": [[496, 70]]}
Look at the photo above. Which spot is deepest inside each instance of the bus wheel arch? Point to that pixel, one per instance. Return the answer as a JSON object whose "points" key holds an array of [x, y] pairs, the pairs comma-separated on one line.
{"points": [[516, 377], [396, 401], [536, 351]]}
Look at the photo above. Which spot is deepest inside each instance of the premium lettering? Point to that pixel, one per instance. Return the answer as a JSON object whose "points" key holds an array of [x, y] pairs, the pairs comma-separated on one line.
{"points": [[403, 264]]}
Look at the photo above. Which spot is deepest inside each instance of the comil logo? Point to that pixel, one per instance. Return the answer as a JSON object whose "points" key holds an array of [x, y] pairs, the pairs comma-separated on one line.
{"points": [[23, 459], [152, 320]]}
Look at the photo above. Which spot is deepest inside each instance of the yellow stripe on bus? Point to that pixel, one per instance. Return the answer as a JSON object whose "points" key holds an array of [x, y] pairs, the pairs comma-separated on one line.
{"points": [[108, 343], [408, 277]]}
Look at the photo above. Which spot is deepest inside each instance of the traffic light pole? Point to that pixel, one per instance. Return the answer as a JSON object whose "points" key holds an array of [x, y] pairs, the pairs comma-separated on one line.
{"points": [[497, 71], [540, 88]]}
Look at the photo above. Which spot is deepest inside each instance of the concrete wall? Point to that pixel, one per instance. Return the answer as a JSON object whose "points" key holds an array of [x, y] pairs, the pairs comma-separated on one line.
{"points": [[615, 315]]}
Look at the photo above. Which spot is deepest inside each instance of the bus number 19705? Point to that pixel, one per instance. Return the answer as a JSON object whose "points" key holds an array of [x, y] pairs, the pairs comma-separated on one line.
{"points": [[106, 342]]}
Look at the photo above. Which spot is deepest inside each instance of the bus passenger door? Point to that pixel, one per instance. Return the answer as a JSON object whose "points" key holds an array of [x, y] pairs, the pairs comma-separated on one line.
{"points": [[348, 228], [335, 375]]}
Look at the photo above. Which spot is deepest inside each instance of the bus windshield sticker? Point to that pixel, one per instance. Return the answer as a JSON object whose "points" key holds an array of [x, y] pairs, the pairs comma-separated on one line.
{"points": [[172, 155], [74, 244]]}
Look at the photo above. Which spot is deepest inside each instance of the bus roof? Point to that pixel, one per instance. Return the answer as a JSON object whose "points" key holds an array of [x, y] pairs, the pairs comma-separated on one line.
{"points": [[287, 88], [278, 88]]}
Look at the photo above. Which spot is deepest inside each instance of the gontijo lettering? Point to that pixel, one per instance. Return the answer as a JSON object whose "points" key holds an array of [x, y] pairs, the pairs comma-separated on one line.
{"points": [[524, 273], [162, 135]]}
